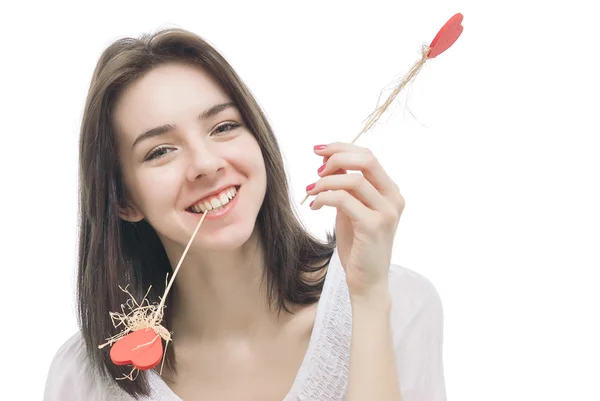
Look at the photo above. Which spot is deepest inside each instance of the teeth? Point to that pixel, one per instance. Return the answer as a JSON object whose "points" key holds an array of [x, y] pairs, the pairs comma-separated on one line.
{"points": [[215, 202]]}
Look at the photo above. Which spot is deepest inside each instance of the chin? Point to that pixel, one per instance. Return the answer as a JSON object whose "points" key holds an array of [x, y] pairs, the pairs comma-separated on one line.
{"points": [[229, 239]]}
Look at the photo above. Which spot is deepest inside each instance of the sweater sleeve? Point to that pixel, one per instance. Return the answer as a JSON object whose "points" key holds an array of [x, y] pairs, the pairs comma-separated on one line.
{"points": [[417, 330]]}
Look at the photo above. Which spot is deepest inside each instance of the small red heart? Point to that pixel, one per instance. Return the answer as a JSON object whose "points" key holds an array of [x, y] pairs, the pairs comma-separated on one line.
{"points": [[127, 350], [446, 36]]}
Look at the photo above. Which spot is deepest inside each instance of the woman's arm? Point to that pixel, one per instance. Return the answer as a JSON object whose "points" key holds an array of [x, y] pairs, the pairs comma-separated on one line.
{"points": [[373, 373], [384, 321], [405, 324]]}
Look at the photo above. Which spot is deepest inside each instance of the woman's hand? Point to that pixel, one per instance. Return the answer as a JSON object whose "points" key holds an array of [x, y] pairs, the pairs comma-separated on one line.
{"points": [[369, 206]]}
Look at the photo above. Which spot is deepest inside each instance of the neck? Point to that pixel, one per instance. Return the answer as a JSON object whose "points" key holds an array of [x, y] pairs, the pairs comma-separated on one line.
{"points": [[221, 295]]}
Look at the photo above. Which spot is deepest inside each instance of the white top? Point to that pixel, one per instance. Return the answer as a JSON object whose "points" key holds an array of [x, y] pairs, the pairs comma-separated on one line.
{"points": [[417, 329]]}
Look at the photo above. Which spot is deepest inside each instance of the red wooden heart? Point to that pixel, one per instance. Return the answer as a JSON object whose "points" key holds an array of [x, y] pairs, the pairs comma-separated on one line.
{"points": [[446, 36], [127, 350]]}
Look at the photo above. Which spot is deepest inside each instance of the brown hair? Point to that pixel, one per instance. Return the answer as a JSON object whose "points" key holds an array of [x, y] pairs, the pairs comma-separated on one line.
{"points": [[114, 252]]}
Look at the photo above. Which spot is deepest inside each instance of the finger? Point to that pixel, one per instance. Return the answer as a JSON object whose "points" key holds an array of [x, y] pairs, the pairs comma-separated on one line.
{"points": [[336, 147], [355, 184], [344, 202], [342, 146], [339, 171], [367, 164]]}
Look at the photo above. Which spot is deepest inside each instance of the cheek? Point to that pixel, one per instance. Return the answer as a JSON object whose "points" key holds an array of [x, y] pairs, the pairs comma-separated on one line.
{"points": [[157, 188], [245, 155], [261, 168], [259, 175], [257, 167]]}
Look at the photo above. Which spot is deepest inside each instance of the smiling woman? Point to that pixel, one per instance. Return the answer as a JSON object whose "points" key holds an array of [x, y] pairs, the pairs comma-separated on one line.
{"points": [[260, 309], [205, 148]]}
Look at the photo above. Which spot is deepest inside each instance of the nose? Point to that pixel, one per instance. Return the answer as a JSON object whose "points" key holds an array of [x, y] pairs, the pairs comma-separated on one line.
{"points": [[203, 161]]}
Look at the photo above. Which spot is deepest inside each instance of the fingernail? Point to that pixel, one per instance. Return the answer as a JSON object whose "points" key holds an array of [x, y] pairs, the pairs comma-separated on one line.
{"points": [[320, 147], [322, 168], [311, 203], [309, 187]]}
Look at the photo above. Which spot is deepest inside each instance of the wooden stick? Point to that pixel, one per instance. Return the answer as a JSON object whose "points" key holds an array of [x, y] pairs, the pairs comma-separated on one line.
{"points": [[378, 112], [164, 297]]}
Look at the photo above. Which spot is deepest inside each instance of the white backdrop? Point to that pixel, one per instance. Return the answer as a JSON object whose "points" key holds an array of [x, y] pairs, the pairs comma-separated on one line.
{"points": [[494, 146]]}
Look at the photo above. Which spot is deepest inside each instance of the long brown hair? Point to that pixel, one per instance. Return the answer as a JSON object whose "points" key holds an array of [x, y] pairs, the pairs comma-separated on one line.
{"points": [[113, 252]]}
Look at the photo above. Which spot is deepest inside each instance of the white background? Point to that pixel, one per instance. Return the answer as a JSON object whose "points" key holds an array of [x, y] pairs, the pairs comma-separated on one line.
{"points": [[494, 146]]}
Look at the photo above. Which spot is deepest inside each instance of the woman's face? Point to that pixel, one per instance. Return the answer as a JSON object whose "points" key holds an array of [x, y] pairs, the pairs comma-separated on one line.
{"points": [[183, 148]]}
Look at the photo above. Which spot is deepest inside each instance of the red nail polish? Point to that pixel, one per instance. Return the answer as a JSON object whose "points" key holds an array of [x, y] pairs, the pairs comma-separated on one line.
{"points": [[322, 168], [311, 203], [320, 147], [309, 187]]}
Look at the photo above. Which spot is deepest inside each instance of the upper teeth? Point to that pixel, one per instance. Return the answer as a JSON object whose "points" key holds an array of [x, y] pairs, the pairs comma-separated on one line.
{"points": [[215, 202]]}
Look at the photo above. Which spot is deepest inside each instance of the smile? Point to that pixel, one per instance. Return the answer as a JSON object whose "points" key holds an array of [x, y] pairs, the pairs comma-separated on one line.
{"points": [[215, 203]]}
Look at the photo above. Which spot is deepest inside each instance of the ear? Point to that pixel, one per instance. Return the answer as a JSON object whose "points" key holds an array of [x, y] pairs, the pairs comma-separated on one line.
{"points": [[130, 213]]}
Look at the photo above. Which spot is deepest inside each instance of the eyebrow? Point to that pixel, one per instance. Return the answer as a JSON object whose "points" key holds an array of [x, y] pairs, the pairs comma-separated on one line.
{"points": [[163, 129]]}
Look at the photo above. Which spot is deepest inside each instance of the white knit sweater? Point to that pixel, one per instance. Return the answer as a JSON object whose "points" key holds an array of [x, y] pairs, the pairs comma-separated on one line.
{"points": [[417, 328]]}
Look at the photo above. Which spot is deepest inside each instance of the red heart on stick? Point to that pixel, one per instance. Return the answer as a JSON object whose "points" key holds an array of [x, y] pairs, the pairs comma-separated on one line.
{"points": [[446, 36], [142, 349]]}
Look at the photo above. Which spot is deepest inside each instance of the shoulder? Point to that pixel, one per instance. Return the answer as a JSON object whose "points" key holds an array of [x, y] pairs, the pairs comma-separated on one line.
{"points": [[71, 376], [416, 304], [414, 299], [417, 330]]}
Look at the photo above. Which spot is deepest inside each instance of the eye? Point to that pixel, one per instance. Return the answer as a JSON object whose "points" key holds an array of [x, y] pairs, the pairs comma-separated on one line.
{"points": [[228, 126], [158, 152]]}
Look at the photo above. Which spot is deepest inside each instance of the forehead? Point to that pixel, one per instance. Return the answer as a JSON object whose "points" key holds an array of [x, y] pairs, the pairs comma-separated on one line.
{"points": [[167, 94]]}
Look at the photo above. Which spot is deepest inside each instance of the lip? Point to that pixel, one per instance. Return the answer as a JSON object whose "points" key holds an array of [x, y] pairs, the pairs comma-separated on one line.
{"points": [[226, 209], [213, 193]]}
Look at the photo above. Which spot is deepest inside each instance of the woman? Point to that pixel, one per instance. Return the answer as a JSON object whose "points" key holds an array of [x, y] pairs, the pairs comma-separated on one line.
{"points": [[260, 309]]}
